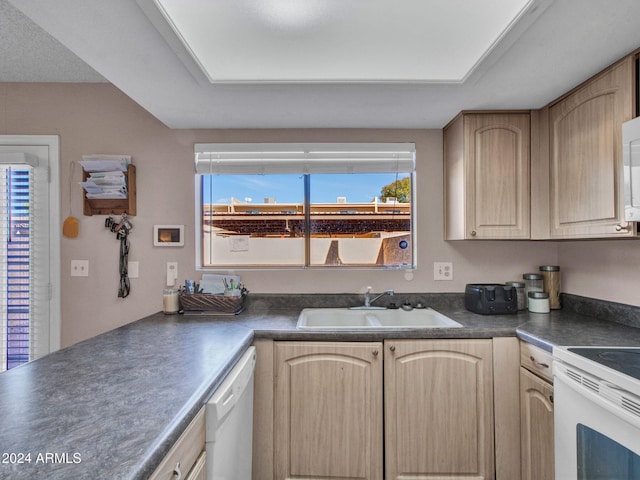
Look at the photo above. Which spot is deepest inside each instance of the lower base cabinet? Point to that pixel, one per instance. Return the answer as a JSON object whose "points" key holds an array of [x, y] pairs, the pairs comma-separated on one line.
{"points": [[536, 413], [438, 409], [328, 410], [187, 457], [329, 421]]}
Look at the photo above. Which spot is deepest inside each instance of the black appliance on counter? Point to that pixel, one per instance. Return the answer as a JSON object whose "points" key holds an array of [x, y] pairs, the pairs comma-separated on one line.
{"points": [[490, 298]]}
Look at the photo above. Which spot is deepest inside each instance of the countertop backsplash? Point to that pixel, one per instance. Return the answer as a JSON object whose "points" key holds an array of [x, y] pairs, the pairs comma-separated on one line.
{"points": [[603, 310]]}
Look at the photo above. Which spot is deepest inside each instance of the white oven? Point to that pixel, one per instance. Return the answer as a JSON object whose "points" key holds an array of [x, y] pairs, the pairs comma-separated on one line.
{"points": [[597, 413]]}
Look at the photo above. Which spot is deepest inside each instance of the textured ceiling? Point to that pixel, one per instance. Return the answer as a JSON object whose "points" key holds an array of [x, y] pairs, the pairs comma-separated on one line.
{"points": [[29, 54]]}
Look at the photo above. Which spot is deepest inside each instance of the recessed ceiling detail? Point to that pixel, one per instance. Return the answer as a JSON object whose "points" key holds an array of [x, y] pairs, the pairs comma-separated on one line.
{"points": [[550, 47], [342, 41]]}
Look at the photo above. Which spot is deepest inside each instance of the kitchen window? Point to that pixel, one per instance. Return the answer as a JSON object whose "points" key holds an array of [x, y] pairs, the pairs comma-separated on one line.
{"points": [[29, 246], [305, 205]]}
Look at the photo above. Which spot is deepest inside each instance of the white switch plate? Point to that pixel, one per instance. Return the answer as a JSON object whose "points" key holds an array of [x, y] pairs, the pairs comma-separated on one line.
{"points": [[133, 269], [442, 271], [172, 273], [79, 268]]}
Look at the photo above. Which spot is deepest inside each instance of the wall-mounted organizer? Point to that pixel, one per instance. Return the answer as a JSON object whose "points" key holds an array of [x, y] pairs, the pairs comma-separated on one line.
{"points": [[119, 203]]}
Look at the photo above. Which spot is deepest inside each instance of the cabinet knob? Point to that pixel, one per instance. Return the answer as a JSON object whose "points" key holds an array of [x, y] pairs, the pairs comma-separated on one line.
{"points": [[551, 399], [392, 348], [621, 228], [375, 353], [473, 233]]}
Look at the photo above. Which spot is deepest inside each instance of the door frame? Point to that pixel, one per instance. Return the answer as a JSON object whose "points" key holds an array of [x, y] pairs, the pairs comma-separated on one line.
{"points": [[52, 142]]}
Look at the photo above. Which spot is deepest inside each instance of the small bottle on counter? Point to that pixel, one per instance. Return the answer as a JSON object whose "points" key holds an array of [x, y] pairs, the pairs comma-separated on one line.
{"points": [[551, 276], [539, 302], [533, 282], [170, 300], [522, 300]]}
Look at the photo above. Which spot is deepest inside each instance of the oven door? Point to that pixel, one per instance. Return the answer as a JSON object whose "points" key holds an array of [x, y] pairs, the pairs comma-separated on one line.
{"points": [[597, 435]]}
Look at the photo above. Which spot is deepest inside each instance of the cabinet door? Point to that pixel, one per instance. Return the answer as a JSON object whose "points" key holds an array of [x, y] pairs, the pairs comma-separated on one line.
{"points": [[487, 176], [438, 409], [498, 175], [328, 410], [199, 470], [186, 452], [586, 156], [536, 417]]}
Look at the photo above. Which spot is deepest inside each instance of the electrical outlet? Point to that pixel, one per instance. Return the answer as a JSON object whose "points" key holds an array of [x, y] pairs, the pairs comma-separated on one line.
{"points": [[442, 271], [79, 268], [172, 273]]}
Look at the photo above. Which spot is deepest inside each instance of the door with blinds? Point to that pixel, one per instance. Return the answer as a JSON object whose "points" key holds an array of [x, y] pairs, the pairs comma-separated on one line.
{"points": [[29, 248]]}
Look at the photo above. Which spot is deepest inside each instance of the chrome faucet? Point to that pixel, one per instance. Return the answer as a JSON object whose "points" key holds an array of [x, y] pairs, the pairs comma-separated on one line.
{"points": [[369, 299]]}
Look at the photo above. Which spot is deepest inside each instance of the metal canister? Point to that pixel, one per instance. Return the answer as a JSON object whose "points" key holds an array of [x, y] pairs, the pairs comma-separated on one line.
{"points": [[551, 280]]}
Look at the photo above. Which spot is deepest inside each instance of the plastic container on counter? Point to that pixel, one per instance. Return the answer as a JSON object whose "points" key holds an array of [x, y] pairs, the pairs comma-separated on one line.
{"points": [[539, 302], [170, 300], [533, 282]]}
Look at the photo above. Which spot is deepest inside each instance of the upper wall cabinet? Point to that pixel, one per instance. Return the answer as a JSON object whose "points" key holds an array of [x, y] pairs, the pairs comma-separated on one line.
{"points": [[486, 176], [585, 157]]}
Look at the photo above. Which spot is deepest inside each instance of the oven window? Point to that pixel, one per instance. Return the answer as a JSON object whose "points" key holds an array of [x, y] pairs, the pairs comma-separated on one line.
{"points": [[600, 458]]}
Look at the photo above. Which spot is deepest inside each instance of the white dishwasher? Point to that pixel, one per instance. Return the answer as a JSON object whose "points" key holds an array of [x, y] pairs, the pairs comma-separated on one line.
{"points": [[229, 417]]}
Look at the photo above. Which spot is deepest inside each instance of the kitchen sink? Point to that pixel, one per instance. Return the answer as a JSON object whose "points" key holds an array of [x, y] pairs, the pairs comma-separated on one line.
{"points": [[386, 319]]}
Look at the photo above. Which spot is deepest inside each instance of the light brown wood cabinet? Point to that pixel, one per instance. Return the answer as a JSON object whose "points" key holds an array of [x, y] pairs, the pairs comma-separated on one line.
{"points": [[187, 456], [487, 176], [585, 156], [328, 414], [438, 409], [536, 415], [328, 410]]}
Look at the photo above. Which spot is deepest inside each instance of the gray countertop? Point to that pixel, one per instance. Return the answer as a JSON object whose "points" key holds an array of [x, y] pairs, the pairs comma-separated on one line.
{"points": [[112, 406], [571, 329]]}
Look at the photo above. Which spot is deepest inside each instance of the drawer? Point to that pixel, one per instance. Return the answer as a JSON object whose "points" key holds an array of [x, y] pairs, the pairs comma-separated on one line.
{"points": [[536, 360], [185, 451]]}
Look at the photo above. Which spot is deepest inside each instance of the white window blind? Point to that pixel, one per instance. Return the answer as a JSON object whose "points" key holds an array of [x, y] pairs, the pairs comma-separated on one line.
{"points": [[282, 158], [24, 269]]}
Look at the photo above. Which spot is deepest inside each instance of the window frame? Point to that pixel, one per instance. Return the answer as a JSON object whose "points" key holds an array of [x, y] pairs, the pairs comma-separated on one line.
{"points": [[264, 170]]}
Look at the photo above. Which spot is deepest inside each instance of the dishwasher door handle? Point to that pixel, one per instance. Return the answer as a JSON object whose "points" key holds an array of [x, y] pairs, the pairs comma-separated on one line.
{"points": [[228, 394]]}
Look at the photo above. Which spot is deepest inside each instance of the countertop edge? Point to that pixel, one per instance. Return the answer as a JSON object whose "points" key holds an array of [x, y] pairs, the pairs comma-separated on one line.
{"points": [[183, 418]]}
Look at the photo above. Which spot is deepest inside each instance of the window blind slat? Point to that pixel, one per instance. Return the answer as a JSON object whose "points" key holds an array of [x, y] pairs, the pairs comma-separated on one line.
{"points": [[268, 158]]}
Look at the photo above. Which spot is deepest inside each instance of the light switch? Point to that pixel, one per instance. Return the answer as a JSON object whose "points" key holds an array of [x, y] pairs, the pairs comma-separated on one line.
{"points": [[133, 270], [172, 273]]}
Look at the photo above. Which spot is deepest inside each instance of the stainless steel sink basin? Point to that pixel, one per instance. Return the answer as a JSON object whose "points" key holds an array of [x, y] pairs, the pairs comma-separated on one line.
{"points": [[348, 319]]}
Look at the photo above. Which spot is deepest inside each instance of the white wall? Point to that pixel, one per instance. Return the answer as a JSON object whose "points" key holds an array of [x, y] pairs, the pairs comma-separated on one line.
{"points": [[98, 118]]}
